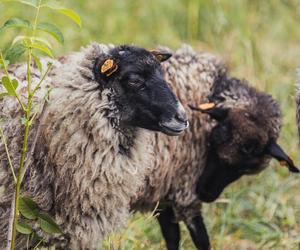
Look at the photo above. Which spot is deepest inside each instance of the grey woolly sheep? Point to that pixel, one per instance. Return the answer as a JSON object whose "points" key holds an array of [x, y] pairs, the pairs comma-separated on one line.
{"points": [[234, 135], [90, 151]]}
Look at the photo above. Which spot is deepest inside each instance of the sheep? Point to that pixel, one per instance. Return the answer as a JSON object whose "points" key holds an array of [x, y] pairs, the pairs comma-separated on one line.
{"points": [[91, 140], [234, 135]]}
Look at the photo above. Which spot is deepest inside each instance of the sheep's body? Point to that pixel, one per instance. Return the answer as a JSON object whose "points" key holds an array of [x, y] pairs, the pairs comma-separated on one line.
{"points": [[176, 169], [88, 187], [180, 162]]}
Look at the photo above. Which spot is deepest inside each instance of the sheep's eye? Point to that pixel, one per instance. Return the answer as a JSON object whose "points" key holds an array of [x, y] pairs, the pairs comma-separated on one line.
{"points": [[250, 147], [136, 84], [247, 149]]}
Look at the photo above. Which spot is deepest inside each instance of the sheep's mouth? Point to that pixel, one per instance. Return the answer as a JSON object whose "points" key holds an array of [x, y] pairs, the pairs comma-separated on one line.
{"points": [[173, 130]]}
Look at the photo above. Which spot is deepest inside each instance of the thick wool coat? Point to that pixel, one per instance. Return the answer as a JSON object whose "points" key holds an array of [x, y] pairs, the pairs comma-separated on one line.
{"points": [[77, 173]]}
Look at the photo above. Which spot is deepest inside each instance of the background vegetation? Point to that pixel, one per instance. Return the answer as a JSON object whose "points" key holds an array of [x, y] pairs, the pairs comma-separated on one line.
{"points": [[261, 42]]}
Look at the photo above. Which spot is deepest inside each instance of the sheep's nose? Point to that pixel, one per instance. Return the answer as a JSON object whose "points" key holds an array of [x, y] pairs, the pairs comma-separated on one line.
{"points": [[181, 114], [177, 124], [181, 117]]}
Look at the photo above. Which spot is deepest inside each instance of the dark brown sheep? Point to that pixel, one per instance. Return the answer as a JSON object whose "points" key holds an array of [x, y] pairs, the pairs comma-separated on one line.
{"points": [[234, 135]]}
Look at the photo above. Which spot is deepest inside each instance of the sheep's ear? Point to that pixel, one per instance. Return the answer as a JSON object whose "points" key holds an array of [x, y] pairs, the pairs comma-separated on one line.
{"points": [[214, 112], [161, 55], [274, 150], [108, 67]]}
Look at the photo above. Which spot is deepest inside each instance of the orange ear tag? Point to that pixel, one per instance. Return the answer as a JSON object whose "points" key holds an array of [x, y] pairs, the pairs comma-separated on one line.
{"points": [[283, 163], [206, 106], [159, 57], [109, 67]]}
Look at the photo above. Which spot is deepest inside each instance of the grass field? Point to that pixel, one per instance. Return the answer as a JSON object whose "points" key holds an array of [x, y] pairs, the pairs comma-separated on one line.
{"points": [[261, 42]]}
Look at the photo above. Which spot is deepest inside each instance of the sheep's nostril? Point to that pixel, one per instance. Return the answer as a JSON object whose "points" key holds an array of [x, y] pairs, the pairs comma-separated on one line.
{"points": [[177, 124], [181, 116]]}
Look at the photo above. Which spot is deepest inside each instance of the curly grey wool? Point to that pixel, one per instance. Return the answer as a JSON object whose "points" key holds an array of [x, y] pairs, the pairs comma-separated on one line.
{"points": [[199, 78], [78, 174], [176, 170]]}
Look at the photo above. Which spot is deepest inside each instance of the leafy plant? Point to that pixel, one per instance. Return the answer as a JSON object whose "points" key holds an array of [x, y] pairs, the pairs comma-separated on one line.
{"points": [[31, 44], [31, 212]]}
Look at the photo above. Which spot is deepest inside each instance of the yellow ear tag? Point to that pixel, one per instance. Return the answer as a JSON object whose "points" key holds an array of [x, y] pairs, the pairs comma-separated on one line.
{"points": [[206, 106], [159, 57], [157, 54], [109, 67]]}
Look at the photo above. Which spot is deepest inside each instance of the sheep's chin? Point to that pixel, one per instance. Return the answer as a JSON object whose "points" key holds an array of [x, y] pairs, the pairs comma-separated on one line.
{"points": [[173, 130], [206, 197]]}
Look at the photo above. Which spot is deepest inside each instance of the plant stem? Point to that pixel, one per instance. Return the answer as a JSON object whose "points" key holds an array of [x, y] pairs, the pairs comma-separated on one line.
{"points": [[23, 153], [18, 186], [25, 140], [41, 80], [8, 155], [4, 65], [36, 247], [29, 74], [36, 18]]}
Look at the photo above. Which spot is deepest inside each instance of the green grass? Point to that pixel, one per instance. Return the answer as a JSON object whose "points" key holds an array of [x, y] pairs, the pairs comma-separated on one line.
{"points": [[260, 41]]}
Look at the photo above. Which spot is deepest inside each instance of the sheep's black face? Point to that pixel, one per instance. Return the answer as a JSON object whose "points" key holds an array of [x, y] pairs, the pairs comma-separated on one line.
{"points": [[240, 144], [142, 96]]}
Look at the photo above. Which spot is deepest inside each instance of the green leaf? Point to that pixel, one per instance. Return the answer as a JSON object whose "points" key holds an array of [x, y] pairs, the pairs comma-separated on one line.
{"points": [[41, 47], [27, 40], [17, 23], [28, 208], [15, 83], [24, 120], [48, 225], [14, 52], [19, 39], [37, 62], [43, 41], [10, 85], [52, 30], [33, 3], [67, 12], [23, 228], [3, 63], [3, 94], [37, 240], [72, 15]]}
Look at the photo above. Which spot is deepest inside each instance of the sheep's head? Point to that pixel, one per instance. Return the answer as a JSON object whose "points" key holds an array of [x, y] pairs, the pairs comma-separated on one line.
{"points": [[141, 94], [241, 143]]}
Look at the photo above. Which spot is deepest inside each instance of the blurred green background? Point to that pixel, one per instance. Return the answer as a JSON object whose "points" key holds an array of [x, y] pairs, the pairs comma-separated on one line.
{"points": [[260, 40]]}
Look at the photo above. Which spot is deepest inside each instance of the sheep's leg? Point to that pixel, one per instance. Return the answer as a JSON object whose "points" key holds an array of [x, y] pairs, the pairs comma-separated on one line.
{"points": [[169, 227], [198, 232]]}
